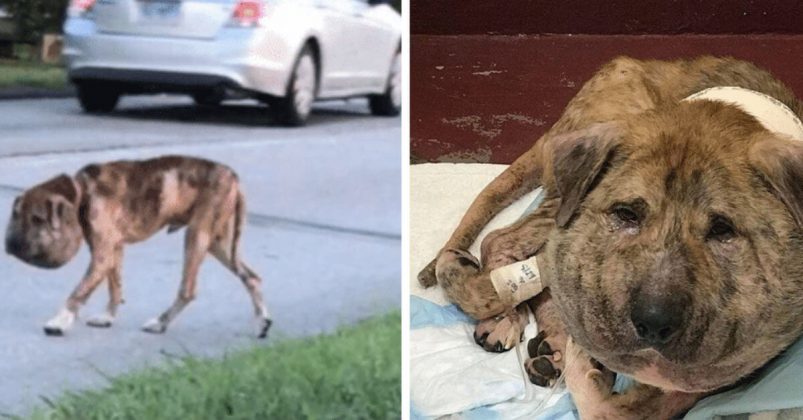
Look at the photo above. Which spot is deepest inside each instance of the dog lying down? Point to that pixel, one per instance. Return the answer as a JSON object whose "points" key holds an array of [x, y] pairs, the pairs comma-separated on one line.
{"points": [[669, 246], [123, 202]]}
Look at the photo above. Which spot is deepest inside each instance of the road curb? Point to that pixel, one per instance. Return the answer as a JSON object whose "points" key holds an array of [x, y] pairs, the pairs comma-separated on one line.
{"points": [[25, 92]]}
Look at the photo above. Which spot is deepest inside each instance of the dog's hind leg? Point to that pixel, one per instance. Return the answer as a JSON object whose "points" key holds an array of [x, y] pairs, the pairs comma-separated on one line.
{"points": [[252, 283], [226, 248], [197, 242], [212, 210]]}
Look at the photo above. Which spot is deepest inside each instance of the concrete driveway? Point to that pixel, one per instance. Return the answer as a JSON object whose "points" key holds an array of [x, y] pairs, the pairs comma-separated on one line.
{"points": [[323, 232]]}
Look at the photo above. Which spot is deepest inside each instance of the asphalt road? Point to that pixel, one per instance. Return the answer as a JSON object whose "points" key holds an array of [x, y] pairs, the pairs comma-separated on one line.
{"points": [[323, 232]]}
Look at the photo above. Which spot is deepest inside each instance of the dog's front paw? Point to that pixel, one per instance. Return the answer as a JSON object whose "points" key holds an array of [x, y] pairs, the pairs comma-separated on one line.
{"points": [[104, 320], [262, 326], [61, 323], [503, 332], [154, 326], [454, 266]]}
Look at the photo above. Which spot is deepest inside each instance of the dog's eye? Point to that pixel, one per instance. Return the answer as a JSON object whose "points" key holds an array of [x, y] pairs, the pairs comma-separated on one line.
{"points": [[721, 229], [37, 220], [625, 214]]}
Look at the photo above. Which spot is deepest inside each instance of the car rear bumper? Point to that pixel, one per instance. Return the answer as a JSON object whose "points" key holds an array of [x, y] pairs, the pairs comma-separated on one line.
{"points": [[183, 63], [169, 80]]}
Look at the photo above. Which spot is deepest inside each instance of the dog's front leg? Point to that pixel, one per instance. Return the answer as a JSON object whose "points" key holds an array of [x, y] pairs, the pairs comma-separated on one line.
{"points": [[590, 385], [99, 268], [524, 175], [468, 284], [114, 281]]}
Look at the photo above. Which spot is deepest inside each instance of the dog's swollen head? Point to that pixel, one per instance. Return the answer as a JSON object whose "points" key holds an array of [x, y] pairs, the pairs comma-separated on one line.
{"points": [[44, 229], [678, 257]]}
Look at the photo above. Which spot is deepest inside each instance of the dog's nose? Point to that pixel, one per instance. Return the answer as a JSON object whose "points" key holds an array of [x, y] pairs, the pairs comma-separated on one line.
{"points": [[13, 246], [658, 319]]}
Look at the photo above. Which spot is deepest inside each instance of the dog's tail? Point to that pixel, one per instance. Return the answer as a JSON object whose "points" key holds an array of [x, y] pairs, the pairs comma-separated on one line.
{"points": [[239, 220]]}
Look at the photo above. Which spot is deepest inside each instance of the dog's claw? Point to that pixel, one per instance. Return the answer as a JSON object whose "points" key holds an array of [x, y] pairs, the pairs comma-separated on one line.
{"points": [[263, 327], [481, 339], [53, 331]]}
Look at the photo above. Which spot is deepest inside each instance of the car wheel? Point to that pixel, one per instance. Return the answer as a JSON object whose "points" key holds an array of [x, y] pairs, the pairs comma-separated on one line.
{"points": [[389, 103], [294, 108], [210, 97], [97, 97]]}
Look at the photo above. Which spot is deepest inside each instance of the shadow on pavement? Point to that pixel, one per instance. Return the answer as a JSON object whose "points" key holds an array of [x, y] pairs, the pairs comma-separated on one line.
{"points": [[242, 114]]}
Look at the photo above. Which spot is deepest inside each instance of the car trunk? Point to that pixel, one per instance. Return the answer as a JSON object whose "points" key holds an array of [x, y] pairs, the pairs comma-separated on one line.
{"points": [[164, 18]]}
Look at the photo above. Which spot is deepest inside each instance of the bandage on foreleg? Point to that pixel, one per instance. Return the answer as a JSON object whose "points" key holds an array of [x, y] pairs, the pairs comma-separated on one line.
{"points": [[517, 282]]}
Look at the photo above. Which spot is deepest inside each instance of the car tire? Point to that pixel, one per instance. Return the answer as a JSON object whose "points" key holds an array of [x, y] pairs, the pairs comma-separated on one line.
{"points": [[210, 97], [97, 97], [388, 104], [294, 108]]}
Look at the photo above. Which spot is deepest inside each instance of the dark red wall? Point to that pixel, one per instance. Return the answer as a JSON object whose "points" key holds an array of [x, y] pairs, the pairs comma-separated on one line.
{"points": [[487, 98], [513, 17]]}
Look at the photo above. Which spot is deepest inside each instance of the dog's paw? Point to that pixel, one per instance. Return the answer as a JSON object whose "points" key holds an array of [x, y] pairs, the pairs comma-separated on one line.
{"points": [[427, 278], [154, 326], [61, 323], [589, 382], [454, 265], [501, 333], [104, 320], [263, 326], [546, 360]]}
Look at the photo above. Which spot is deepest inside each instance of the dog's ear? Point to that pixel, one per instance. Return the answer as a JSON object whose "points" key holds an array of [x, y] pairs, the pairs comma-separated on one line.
{"points": [[578, 160], [62, 185], [779, 162], [16, 208]]}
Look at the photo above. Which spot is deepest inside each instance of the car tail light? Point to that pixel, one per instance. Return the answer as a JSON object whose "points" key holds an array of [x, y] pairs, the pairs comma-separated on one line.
{"points": [[80, 7], [247, 13]]}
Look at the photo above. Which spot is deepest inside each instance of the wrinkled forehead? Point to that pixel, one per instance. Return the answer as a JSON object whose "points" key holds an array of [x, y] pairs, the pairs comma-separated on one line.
{"points": [[31, 201], [693, 174]]}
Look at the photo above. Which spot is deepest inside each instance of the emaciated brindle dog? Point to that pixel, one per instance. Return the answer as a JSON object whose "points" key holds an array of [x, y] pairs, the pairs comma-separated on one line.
{"points": [[670, 240], [123, 202]]}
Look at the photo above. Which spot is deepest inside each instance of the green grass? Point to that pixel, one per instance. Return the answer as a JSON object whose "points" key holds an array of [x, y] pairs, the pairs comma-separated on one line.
{"points": [[15, 73], [354, 373]]}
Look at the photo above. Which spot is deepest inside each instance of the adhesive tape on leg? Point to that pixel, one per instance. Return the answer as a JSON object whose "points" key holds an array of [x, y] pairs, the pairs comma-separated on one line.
{"points": [[517, 282]]}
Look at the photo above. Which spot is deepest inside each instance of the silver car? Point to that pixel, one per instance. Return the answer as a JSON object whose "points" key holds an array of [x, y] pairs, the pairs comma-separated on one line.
{"points": [[286, 53]]}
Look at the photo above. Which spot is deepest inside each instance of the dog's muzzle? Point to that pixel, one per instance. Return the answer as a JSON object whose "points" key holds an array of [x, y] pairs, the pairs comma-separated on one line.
{"points": [[14, 246]]}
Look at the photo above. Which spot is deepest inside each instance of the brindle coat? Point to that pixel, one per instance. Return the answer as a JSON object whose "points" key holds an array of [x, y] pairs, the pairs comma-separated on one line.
{"points": [[123, 202], [690, 207]]}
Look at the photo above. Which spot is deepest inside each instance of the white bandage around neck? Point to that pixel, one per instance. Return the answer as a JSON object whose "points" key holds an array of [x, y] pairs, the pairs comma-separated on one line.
{"points": [[770, 112]]}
